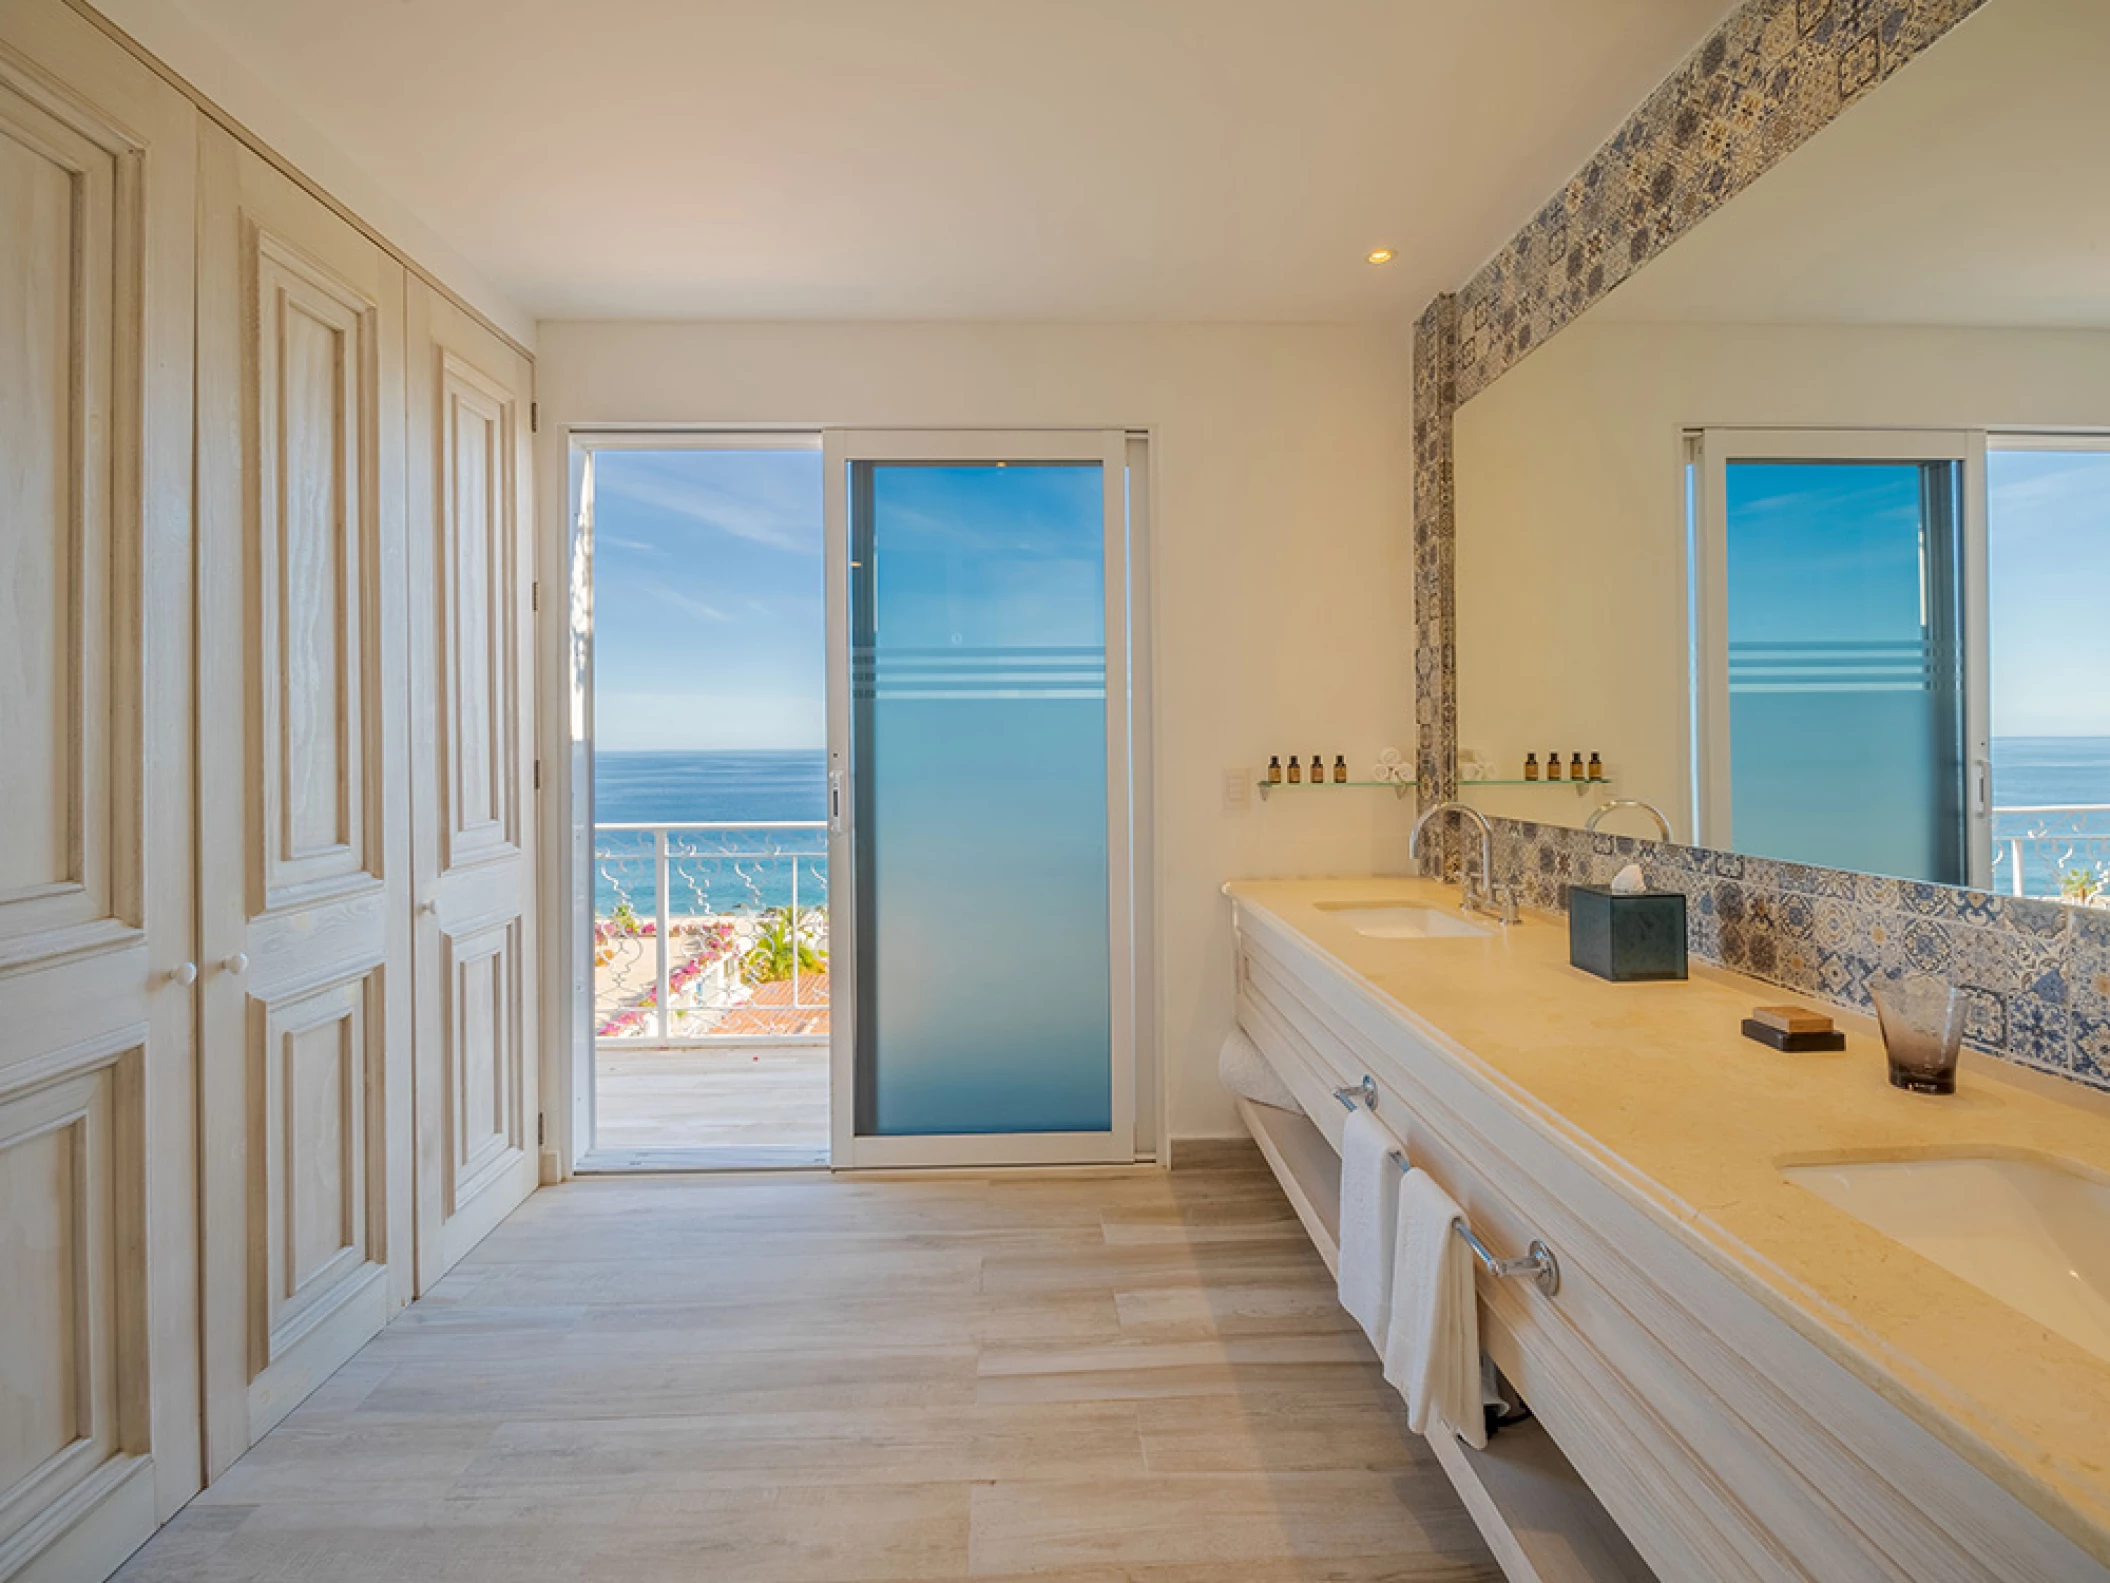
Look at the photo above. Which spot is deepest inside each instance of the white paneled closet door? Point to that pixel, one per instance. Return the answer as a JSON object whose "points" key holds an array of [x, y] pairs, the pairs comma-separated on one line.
{"points": [[472, 747], [98, 1213], [304, 824]]}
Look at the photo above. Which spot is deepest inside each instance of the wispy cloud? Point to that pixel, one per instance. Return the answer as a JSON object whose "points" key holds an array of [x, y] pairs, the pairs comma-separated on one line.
{"points": [[688, 604], [761, 508], [2048, 494]]}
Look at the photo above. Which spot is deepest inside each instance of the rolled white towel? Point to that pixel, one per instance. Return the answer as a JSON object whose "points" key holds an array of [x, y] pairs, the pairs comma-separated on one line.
{"points": [[1432, 1343], [1242, 1069]]}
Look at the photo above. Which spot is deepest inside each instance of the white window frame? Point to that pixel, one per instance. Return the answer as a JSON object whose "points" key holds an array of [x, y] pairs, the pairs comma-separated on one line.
{"points": [[1709, 747]]}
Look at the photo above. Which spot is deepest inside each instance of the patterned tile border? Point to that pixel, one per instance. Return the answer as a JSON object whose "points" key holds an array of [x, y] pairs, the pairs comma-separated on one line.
{"points": [[1768, 79], [1435, 610]]}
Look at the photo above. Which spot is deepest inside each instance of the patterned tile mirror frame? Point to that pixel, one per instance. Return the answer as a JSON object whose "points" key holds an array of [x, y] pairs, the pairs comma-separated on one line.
{"points": [[2037, 973]]}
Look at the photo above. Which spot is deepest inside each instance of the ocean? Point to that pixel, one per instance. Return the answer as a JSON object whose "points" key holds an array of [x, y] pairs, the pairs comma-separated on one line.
{"points": [[2050, 772], [663, 788], [732, 871]]}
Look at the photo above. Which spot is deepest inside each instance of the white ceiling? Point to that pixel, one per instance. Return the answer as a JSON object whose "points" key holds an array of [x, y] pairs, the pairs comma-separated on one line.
{"points": [[1969, 191], [1020, 159]]}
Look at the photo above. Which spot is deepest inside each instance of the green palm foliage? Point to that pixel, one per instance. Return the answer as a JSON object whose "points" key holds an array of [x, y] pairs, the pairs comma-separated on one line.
{"points": [[786, 937]]}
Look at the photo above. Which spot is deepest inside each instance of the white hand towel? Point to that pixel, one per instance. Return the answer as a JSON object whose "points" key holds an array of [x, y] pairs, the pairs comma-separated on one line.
{"points": [[1242, 1069], [1432, 1343], [1369, 1204]]}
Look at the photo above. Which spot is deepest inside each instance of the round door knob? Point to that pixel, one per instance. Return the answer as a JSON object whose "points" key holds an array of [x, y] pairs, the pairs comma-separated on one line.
{"points": [[238, 963], [184, 973]]}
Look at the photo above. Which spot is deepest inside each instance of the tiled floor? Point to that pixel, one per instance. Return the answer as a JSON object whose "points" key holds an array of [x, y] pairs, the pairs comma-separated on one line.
{"points": [[1132, 1378]]}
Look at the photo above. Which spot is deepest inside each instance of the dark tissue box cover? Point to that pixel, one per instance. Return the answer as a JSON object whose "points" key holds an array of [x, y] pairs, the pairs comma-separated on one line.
{"points": [[1626, 937]]}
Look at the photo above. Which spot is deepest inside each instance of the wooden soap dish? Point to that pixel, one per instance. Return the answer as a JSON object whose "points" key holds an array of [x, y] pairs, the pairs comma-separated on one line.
{"points": [[1793, 1028]]}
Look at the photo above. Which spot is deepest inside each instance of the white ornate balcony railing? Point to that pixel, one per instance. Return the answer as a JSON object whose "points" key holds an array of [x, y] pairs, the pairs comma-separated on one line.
{"points": [[2061, 852], [710, 934]]}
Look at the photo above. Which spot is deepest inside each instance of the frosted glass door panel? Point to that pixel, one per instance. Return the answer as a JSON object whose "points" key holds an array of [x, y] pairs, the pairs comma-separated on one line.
{"points": [[979, 744], [1844, 665]]}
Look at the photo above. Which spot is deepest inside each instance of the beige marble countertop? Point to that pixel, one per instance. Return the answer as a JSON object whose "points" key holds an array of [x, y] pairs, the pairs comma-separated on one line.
{"points": [[1656, 1083]]}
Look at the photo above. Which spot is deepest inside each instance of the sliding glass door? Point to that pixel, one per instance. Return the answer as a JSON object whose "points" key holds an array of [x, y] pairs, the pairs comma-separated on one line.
{"points": [[979, 797]]}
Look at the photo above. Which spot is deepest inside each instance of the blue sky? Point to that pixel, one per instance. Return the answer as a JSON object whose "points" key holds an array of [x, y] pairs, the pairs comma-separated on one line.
{"points": [[709, 630], [709, 624], [2049, 549]]}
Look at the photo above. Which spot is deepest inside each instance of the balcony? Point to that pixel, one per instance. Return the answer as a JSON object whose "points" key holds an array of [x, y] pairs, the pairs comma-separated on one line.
{"points": [[2060, 852], [711, 990]]}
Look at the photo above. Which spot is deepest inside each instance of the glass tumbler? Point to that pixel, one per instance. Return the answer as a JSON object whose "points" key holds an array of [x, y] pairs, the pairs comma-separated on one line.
{"points": [[1922, 1022]]}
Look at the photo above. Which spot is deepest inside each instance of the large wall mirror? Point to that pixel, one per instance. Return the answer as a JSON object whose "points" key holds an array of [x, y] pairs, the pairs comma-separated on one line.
{"points": [[1805, 528]]}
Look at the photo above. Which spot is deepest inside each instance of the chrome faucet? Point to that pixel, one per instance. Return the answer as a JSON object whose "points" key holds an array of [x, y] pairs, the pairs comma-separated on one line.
{"points": [[1649, 808], [1499, 901]]}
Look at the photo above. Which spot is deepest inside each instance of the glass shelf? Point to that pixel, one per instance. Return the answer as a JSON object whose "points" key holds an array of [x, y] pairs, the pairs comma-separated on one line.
{"points": [[1401, 788], [1267, 788], [1581, 786]]}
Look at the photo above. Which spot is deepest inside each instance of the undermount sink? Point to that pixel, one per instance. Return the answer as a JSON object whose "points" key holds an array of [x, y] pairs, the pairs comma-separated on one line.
{"points": [[2031, 1232], [1402, 920]]}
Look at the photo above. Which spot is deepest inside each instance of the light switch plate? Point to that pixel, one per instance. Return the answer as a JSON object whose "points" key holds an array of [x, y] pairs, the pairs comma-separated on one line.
{"points": [[1238, 790]]}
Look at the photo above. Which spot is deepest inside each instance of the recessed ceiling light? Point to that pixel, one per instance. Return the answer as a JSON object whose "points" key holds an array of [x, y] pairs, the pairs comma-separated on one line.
{"points": [[1382, 255]]}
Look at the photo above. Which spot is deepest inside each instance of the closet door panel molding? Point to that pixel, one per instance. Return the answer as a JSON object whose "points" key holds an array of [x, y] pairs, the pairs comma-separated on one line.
{"points": [[478, 558], [486, 1058], [311, 387], [319, 1172], [71, 209], [73, 1309]]}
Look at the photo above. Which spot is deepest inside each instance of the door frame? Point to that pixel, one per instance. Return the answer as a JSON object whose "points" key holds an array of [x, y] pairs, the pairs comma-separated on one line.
{"points": [[1110, 450], [566, 769], [565, 757], [1713, 819]]}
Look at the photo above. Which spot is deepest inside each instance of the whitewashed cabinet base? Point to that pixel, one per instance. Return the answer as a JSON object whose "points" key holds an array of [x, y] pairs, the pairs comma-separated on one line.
{"points": [[1720, 1443]]}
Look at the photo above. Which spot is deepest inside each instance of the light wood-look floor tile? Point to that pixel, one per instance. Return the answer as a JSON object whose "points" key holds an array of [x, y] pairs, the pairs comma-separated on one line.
{"points": [[1092, 1378], [1020, 1524]]}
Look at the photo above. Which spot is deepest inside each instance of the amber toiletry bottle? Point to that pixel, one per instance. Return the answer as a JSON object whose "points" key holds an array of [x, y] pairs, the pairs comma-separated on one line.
{"points": [[1531, 766], [1318, 769], [1274, 769], [1296, 775], [1575, 768], [1340, 769], [1553, 766], [1596, 768]]}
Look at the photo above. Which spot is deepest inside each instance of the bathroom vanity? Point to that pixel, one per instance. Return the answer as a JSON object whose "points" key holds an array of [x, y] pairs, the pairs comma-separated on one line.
{"points": [[1773, 1352]]}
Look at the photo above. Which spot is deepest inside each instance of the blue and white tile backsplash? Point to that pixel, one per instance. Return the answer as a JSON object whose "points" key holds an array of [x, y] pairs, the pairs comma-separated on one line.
{"points": [[2036, 973]]}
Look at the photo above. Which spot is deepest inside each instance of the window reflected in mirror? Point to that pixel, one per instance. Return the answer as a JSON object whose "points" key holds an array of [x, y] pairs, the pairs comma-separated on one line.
{"points": [[2048, 566]]}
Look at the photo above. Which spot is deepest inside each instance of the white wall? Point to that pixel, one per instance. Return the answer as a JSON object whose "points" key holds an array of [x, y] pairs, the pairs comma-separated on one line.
{"points": [[1281, 559], [1572, 620]]}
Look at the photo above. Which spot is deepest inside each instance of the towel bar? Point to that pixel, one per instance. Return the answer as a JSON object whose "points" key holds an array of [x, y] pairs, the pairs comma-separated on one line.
{"points": [[1366, 1090], [1538, 1261]]}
